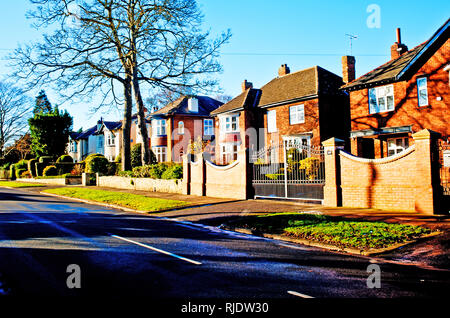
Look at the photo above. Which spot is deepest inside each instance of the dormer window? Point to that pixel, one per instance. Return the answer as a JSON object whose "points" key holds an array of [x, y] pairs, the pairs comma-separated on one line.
{"points": [[193, 105]]}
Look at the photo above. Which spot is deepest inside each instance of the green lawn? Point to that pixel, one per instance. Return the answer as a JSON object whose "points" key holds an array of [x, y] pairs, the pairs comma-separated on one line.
{"points": [[129, 200], [336, 231], [14, 184]]}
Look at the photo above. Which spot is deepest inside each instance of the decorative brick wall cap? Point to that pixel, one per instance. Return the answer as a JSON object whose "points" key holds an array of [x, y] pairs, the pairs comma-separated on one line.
{"points": [[333, 142], [381, 160], [425, 134]]}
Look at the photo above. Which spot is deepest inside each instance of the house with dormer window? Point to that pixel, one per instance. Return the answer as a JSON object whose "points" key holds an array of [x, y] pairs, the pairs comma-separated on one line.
{"points": [[179, 123], [409, 93], [304, 107]]}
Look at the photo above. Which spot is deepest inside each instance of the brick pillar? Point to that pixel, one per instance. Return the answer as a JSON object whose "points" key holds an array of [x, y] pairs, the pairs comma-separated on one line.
{"points": [[332, 189], [197, 176], [427, 171], [186, 174]]}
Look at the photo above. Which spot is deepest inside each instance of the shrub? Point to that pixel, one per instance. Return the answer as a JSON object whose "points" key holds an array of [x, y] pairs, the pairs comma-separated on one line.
{"points": [[19, 172], [65, 158], [151, 171], [77, 170], [173, 172], [113, 168], [50, 171], [311, 166], [4, 174], [22, 164], [32, 167], [127, 174], [97, 163], [12, 172], [118, 159], [45, 159], [136, 156], [26, 174]]}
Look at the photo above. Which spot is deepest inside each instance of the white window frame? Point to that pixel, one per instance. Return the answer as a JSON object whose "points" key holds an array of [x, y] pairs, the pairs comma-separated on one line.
{"points": [[181, 128], [160, 153], [229, 151], [227, 123], [380, 104], [297, 114], [111, 140], [422, 86], [397, 145], [208, 127], [272, 121], [159, 127]]}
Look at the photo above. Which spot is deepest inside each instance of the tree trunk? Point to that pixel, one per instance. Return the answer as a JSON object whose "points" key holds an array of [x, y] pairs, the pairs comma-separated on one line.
{"points": [[126, 126], [142, 122]]}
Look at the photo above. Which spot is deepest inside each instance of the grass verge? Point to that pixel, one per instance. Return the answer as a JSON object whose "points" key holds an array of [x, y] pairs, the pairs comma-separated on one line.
{"points": [[340, 232], [14, 184], [129, 200]]}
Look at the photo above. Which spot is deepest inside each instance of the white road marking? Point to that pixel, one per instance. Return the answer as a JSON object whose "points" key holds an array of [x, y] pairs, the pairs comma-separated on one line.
{"points": [[294, 293], [157, 250]]}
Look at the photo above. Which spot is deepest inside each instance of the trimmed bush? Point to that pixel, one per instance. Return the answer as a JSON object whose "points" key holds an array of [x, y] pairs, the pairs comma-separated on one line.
{"points": [[65, 159], [19, 172], [113, 169], [22, 164], [32, 167], [173, 172], [50, 171], [12, 172], [26, 174], [136, 156], [96, 164], [45, 160]]}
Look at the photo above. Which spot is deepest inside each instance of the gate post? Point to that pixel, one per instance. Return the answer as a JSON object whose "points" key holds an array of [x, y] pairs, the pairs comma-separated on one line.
{"points": [[332, 189], [186, 174], [427, 171]]}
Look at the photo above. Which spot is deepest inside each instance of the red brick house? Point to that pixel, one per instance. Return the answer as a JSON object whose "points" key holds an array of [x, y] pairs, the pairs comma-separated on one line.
{"points": [[407, 94], [304, 107], [180, 122]]}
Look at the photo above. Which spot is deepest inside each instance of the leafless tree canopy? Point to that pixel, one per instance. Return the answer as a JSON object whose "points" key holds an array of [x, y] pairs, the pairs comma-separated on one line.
{"points": [[15, 109]]}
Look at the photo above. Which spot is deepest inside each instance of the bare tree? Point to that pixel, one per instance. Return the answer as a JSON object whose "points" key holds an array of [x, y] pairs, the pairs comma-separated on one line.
{"points": [[98, 44], [15, 108]]}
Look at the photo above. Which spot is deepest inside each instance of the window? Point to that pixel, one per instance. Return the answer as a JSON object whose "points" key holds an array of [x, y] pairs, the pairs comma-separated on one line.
{"points": [[100, 141], [272, 121], [180, 128], [397, 145], [208, 127], [229, 152], [73, 146], [159, 127], [111, 140], [422, 91], [229, 124], [160, 153], [381, 99], [297, 114]]}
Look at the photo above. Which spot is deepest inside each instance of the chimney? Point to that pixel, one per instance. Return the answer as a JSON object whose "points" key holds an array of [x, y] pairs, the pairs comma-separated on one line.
{"points": [[246, 85], [348, 68], [283, 70], [193, 105], [398, 48]]}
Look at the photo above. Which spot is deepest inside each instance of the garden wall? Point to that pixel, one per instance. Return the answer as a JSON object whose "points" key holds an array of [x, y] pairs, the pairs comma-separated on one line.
{"points": [[54, 181], [204, 178], [408, 181], [143, 184]]}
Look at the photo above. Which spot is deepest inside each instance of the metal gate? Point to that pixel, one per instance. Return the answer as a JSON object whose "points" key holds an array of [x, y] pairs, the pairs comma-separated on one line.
{"points": [[290, 170]]}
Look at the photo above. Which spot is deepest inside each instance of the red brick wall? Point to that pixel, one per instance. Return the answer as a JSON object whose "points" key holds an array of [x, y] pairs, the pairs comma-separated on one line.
{"points": [[373, 184], [435, 117]]}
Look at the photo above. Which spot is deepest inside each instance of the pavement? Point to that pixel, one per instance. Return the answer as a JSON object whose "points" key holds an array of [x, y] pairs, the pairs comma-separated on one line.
{"points": [[432, 252], [123, 254]]}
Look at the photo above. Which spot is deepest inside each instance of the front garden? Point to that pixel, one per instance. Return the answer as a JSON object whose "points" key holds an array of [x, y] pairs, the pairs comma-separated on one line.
{"points": [[336, 231]]}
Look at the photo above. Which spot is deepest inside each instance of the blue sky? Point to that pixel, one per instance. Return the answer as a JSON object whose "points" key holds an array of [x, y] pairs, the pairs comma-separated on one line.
{"points": [[266, 34]]}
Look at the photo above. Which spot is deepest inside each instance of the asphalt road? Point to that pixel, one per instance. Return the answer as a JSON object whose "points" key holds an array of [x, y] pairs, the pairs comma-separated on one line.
{"points": [[124, 254]]}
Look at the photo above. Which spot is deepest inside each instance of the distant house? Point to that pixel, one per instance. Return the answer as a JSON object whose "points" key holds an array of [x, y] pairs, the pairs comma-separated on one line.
{"points": [[174, 126], [405, 95], [103, 138], [304, 107]]}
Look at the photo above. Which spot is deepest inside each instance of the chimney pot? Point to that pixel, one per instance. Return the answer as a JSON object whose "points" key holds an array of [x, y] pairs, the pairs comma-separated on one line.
{"points": [[246, 85], [284, 70], [398, 48]]}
